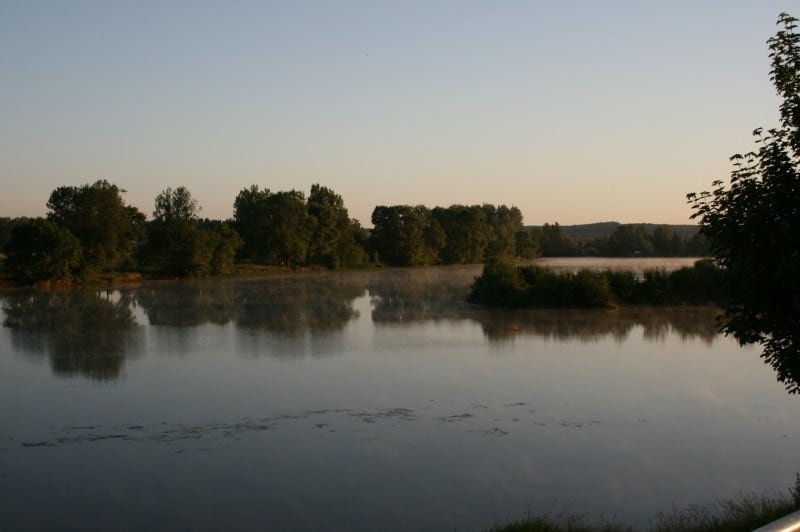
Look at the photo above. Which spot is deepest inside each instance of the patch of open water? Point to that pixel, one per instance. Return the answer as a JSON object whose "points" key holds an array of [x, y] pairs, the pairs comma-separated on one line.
{"points": [[370, 400]]}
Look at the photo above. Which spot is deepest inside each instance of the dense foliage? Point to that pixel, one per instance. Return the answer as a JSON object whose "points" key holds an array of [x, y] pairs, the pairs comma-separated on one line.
{"points": [[288, 229], [753, 224], [334, 235], [618, 240], [6, 224], [108, 230], [406, 236], [39, 250], [177, 243]]}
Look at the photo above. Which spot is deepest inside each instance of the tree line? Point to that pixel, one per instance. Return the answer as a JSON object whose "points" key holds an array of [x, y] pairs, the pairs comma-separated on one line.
{"points": [[627, 240], [90, 229]]}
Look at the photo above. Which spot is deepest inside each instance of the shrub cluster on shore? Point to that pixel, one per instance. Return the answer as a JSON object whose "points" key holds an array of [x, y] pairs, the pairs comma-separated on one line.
{"points": [[506, 284]]}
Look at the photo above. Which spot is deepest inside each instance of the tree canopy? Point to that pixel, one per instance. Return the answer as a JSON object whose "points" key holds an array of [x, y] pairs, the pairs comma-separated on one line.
{"points": [[107, 229], [333, 234], [460, 234], [753, 224], [39, 250], [178, 244]]}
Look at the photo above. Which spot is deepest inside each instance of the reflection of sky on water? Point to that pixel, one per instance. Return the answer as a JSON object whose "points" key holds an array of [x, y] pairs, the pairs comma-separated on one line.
{"points": [[371, 404]]}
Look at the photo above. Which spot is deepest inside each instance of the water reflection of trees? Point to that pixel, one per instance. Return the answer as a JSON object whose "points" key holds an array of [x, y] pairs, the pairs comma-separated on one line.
{"points": [[81, 332], [440, 296], [292, 306], [90, 333], [590, 325], [289, 306], [420, 294], [188, 305]]}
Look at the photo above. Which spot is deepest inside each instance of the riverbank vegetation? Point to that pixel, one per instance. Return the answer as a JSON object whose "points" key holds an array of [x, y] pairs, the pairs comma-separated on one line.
{"points": [[506, 284], [743, 513]]}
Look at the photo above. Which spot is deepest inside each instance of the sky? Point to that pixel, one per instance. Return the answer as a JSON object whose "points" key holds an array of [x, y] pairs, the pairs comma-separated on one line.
{"points": [[573, 111]]}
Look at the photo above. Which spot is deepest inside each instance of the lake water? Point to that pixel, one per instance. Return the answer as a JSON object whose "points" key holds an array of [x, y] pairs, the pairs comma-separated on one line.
{"points": [[370, 401]]}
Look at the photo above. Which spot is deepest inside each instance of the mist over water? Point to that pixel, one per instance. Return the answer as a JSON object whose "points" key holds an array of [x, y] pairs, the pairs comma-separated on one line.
{"points": [[371, 400]]}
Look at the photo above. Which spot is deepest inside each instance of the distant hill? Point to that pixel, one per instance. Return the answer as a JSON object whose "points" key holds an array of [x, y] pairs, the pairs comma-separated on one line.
{"points": [[587, 232]]}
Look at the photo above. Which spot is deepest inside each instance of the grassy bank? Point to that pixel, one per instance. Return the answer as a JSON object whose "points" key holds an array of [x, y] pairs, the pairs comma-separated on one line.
{"points": [[739, 514], [505, 284]]}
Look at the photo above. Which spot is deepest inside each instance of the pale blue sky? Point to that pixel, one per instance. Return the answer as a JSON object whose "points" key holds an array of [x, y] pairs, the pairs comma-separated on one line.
{"points": [[574, 111]]}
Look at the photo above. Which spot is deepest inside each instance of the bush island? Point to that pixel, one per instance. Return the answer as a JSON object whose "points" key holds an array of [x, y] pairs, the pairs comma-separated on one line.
{"points": [[504, 284]]}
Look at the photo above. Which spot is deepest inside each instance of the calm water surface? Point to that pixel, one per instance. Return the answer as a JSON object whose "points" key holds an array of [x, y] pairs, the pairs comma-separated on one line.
{"points": [[365, 401]]}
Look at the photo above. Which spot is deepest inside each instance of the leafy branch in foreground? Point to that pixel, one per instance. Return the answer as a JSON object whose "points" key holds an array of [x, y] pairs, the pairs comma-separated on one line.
{"points": [[753, 224]]}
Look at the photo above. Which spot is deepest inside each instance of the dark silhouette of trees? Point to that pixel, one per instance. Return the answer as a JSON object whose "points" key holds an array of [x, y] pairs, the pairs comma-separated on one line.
{"points": [[331, 224], [403, 235], [504, 222], [287, 229], [276, 227], [753, 224], [39, 250], [526, 244], [554, 243], [251, 221], [6, 225], [624, 240], [175, 205], [178, 245], [466, 231], [174, 244], [108, 230], [459, 234], [662, 241], [288, 235], [505, 284], [333, 234], [223, 241], [629, 241]]}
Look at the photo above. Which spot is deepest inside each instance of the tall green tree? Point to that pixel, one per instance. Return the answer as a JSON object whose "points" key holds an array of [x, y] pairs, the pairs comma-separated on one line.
{"points": [[251, 220], [554, 242], [505, 222], [289, 226], [662, 240], [223, 241], [527, 244], [178, 244], [276, 227], [629, 240], [96, 214], [333, 236], [467, 233], [753, 224], [403, 235], [174, 244], [175, 205], [6, 225]]}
